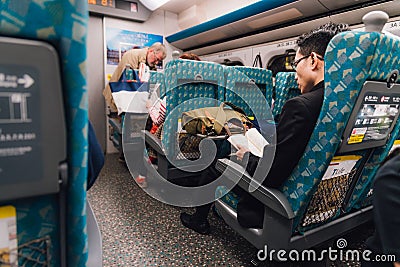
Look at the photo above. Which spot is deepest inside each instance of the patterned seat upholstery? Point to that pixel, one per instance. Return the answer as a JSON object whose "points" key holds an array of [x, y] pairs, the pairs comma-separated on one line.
{"points": [[362, 194], [341, 91], [285, 89], [382, 66], [245, 87], [63, 24], [189, 85], [158, 77], [351, 59]]}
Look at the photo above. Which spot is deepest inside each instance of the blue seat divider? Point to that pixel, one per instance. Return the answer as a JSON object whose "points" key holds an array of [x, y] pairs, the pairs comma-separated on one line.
{"points": [[241, 81], [63, 24]]}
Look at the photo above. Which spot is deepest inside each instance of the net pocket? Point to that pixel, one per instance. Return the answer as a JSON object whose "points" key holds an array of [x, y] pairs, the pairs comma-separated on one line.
{"points": [[328, 199], [188, 146], [33, 253]]}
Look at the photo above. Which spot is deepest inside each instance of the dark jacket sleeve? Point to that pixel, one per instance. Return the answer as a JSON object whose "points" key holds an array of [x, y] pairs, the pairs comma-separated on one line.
{"points": [[293, 132], [386, 202]]}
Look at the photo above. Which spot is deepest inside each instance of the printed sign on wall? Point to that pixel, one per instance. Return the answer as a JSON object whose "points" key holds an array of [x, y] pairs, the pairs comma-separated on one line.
{"points": [[119, 41]]}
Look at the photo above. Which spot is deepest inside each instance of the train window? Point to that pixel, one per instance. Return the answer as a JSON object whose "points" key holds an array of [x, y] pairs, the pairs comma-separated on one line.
{"points": [[281, 63], [228, 62]]}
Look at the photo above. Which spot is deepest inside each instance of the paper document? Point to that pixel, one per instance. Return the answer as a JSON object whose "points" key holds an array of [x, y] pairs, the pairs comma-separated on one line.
{"points": [[253, 140], [340, 165], [8, 235], [135, 102], [123, 101]]}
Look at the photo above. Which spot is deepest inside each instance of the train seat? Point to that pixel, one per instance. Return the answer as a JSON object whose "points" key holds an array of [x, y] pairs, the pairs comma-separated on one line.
{"points": [[189, 85], [362, 192], [250, 89], [157, 77], [285, 88], [47, 64], [354, 62]]}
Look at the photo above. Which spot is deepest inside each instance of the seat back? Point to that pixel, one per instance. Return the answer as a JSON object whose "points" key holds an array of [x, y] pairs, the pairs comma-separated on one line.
{"points": [[158, 78], [355, 51], [45, 214], [249, 88], [189, 85], [285, 88], [388, 46]]}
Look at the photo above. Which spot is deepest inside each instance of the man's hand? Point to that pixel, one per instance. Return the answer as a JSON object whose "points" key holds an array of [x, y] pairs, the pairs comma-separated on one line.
{"points": [[240, 153]]}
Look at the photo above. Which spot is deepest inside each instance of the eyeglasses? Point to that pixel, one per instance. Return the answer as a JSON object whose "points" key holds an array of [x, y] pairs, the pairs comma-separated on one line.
{"points": [[295, 63], [157, 58]]}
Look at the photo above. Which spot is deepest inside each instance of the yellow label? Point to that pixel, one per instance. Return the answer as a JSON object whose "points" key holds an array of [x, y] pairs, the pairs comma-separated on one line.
{"points": [[396, 142], [357, 138], [344, 158], [7, 211]]}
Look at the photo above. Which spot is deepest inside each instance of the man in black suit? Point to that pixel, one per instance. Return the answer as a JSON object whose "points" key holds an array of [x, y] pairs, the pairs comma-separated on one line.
{"points": [[296, 123]]}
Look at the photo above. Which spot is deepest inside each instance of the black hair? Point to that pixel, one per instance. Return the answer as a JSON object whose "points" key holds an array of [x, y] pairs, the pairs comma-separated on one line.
{"points": [[317, 40]]}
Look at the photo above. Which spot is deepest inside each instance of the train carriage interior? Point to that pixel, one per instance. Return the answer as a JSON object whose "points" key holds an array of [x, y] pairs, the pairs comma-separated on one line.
{"points": [[84, 184]]}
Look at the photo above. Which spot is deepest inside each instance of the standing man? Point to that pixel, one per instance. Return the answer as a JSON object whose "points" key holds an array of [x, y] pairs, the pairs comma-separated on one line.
{"points": [[151, 56]]}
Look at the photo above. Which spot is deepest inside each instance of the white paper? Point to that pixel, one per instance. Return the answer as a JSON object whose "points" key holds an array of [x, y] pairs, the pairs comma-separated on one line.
{"points": [[340, 166], [123, 100], [142, 100], [144, 72], [253, 140]]}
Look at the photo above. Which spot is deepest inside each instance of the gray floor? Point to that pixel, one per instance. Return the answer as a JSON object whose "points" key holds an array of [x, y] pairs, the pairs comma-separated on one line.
{"points": [[138, 230]]}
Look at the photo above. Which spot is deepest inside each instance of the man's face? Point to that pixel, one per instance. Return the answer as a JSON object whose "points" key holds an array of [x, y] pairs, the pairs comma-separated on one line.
{"points": [[304, 72], [154, 58]]}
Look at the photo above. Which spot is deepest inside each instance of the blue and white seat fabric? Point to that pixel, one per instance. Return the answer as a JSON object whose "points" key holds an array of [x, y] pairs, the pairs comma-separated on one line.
{"points": [[385, 60], [189, 85], [351, 59], [63, 24], [158, 78], [285, 88], [347, 68], [250, 89]]}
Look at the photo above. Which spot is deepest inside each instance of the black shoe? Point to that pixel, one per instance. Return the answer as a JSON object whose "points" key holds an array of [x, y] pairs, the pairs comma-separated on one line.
{"points": [[189, 221]]}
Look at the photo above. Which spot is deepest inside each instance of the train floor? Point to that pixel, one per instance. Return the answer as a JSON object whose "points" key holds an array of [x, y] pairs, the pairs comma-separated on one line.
{"points": [[138, 230]]}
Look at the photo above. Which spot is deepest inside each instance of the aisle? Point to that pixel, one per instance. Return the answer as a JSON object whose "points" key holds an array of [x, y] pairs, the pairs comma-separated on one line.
{"points": [[138, 230]]}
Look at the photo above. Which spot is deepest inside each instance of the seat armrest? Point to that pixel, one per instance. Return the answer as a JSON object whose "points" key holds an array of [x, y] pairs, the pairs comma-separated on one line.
{"points": [[270, 197], [154, 142], [213, 137]]}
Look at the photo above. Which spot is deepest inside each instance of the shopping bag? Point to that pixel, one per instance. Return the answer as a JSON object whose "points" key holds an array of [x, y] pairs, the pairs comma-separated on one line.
{"points": [[226, 119], [123, 84]]}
